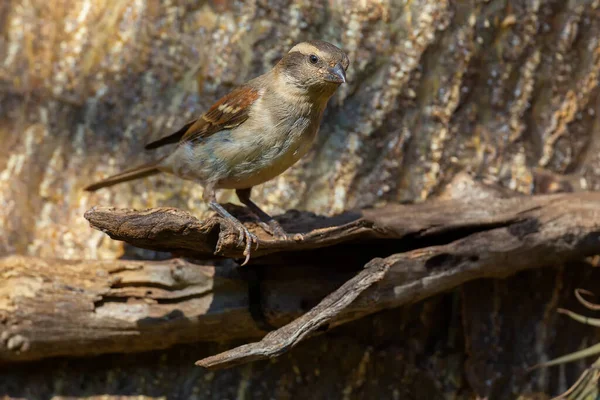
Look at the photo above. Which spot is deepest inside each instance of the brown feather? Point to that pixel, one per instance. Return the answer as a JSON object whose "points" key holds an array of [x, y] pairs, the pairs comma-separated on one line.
{"points": [[227, 113], [129, 175]]}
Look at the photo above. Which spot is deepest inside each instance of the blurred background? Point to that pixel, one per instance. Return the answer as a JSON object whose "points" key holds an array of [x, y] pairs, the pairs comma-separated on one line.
{"points": [[506, 90]]}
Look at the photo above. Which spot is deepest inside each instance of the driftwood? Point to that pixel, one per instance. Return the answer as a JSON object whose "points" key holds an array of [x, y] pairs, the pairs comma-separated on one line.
{"points": [[173, 230], [543, 231], [411, 252], [50, 308]]}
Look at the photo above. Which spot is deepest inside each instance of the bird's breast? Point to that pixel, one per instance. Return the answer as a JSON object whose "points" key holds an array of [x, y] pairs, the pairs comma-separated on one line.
{"points": [[257, 155]]}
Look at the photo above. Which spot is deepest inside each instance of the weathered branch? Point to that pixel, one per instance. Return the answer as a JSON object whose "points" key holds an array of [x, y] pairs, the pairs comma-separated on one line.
{"points": [[168, 229], [557, 229], [281, 340], [178, 231], [57, 307]]}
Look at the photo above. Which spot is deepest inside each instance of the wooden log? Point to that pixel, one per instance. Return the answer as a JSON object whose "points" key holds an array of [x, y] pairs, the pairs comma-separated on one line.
{"points": [[173, 230], [58, 307], [546, 231]]}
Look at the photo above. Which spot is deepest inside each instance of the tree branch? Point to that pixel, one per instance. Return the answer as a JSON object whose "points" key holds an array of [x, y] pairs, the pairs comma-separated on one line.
{"points": [[281, 340], [550, 233], [167, 229], [58, 307]]}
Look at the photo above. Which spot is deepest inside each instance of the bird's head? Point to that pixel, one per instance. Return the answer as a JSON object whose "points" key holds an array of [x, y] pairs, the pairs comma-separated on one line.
{"points": [[315, 66]]}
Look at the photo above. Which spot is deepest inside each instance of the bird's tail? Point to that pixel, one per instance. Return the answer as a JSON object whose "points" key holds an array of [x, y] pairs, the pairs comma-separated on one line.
{"points": [[134, 173]]}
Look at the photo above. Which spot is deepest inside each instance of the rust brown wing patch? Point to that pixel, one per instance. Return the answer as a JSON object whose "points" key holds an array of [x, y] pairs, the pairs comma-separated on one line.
{"points": [[227, 113]]}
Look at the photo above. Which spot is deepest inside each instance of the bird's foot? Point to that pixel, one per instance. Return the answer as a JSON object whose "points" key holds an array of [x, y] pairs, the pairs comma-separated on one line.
{"points": [[274, 229], [245, 238]]}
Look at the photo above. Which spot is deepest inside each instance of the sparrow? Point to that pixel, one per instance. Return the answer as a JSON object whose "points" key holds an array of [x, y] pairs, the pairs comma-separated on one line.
{"points": [[252, 134]]}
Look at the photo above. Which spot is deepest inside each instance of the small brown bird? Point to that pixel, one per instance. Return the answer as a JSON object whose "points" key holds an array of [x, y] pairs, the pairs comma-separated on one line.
{"points": [[253, 134]]}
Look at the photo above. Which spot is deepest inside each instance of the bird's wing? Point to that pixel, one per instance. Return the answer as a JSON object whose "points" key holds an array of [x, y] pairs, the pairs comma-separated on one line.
{"points": [[227, 113]]}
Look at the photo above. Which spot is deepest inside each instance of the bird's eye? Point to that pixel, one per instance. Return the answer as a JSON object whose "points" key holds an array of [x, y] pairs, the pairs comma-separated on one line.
{"points": [[313, 59]]}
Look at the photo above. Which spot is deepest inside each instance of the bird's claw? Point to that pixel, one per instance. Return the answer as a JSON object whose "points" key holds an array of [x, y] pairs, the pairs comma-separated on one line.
{"points": [[274, 229], [298, 237], [288, 237], [246, 239]]}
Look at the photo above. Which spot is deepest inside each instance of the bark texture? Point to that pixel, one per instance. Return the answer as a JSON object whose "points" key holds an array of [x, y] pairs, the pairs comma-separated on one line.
{"points": [[505, 89]]}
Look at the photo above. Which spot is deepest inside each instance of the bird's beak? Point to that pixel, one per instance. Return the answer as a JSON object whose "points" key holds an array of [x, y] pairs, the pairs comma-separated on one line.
{"points": [[336, 74]]}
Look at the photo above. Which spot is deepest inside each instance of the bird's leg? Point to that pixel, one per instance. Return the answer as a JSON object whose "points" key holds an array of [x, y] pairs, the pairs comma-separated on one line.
{"points": [[244, 234], [265, 220]]}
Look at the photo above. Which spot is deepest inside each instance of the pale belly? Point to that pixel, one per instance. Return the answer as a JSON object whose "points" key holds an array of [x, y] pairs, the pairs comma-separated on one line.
{"points": [[266, 163], [246, 175], [239, 160]]}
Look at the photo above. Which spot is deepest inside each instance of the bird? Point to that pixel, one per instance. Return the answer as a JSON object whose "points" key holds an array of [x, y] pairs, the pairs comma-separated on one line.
{"points": [[252, 134]]}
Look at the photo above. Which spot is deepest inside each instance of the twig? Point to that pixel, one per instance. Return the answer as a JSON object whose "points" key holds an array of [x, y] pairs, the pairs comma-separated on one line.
{"points": [[282, 340]]}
